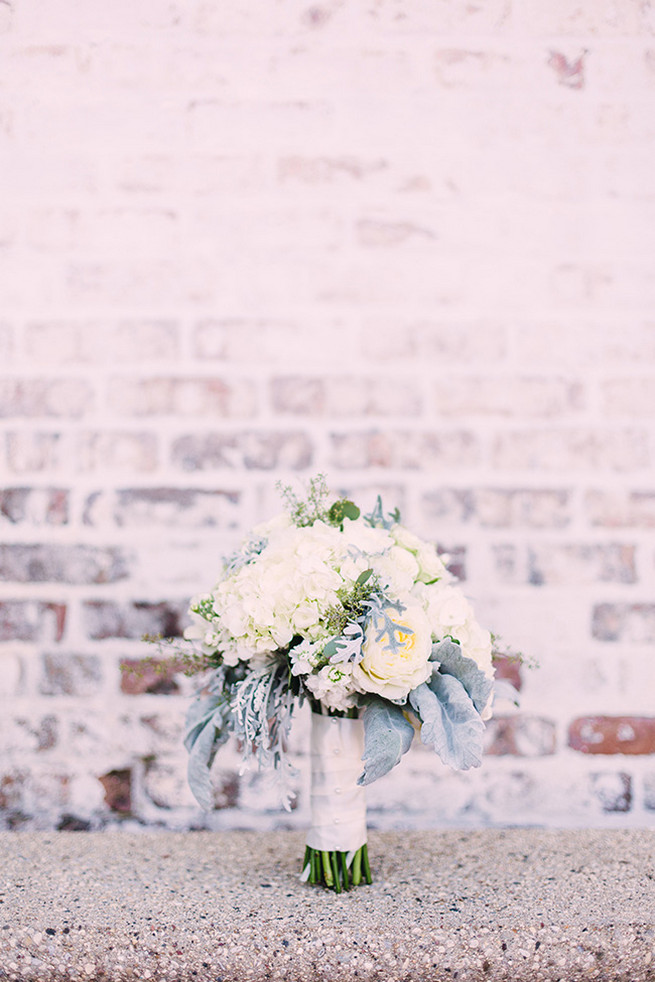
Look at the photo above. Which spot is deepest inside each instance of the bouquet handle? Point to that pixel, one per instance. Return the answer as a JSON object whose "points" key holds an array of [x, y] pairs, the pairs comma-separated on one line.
{"points": [[336, 853]]}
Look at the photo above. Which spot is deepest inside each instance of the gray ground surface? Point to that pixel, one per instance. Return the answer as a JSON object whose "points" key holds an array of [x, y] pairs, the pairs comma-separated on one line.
{"points": [[512, 904]]}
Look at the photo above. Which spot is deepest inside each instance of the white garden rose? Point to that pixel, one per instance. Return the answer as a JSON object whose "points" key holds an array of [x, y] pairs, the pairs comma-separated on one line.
{"points": [[389, 670]]}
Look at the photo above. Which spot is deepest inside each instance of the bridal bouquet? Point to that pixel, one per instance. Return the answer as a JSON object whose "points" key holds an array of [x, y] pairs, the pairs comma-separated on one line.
{"points": [[360, 617]]}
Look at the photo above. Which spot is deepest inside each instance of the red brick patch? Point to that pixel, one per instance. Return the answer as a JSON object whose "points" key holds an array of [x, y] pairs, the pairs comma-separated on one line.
{"points": [[154, 676], [118, 790], [613, 735]]}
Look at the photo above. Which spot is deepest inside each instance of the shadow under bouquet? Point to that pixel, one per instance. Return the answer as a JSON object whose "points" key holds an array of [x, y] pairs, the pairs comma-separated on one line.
{"points": [[361, 618]]}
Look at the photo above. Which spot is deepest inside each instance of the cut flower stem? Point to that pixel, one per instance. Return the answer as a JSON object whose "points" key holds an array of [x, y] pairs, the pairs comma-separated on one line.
{"points": [[332, 870]]}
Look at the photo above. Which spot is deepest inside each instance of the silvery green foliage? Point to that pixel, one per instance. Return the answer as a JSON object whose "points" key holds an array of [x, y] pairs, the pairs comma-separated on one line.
{"points": [[378, 519], [377, 615], [208, 725], [347, 647], [387, 736], [262, 709], [450, 722], [453, 662], [246, 554]]}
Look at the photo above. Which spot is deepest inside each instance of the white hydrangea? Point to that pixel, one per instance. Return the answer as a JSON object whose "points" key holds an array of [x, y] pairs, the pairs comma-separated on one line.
{"points": [[450, 615]]}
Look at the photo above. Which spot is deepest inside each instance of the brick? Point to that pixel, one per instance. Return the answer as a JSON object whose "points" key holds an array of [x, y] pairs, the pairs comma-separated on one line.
{"points": [[464, 68], [109, 619], [520, 736], [163, 508], [568, 564], [273, 342], [633, 397], [127, 451], [117, 785], [450, 342], [70, 675], [66, 173], [28, 451], [7, 17], [43, 733], [500, 507], [151, 676], [278, 122], [254, 450], [62, 63], [613, 735], [34, 506], [45, 397], [226, 173], [345, 396], [86, 231], [12, 786], [454, 558], [6, 344], [613, 791], [303, 169], [82, 451], [620, 509], [87, 122], [649, 792], [166, 786], [376, 233], [119, 21], [508, 669], [141, 284], [100, 341], [395, 448], [572, 450], [32, 620], [12, 676], [182, 397], [626, 622], [570, 72], [506, 396], [62, 564], [583, 18], [144, 231], [72, 823], [562, 345]]}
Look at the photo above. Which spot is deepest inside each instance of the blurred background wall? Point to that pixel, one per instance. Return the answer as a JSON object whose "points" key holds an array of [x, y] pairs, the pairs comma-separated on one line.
{"points": [[406, 243]]}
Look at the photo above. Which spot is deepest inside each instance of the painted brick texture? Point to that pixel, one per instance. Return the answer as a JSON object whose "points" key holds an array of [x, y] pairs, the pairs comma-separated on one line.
{"points": [[406, 244]]}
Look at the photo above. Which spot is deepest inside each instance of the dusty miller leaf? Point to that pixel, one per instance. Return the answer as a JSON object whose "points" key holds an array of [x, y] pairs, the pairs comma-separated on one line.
{"points": [[206, 730], [387, 736], [449, 721], [465, 670]]}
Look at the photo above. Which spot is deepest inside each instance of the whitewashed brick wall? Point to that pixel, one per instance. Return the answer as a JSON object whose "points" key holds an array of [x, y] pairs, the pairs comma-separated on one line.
{"points": [[408, 243]]}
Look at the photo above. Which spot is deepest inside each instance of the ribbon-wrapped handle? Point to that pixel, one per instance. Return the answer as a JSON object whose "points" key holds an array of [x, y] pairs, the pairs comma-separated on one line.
{"points": [[338, 804]]}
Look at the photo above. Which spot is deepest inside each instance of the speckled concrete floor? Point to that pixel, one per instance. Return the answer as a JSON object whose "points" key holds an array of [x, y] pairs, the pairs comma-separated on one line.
{"points": [[513, 904]]}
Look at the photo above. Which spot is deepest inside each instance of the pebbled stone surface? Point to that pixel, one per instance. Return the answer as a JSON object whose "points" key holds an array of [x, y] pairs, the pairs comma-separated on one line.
{"points": [[505, 904]]}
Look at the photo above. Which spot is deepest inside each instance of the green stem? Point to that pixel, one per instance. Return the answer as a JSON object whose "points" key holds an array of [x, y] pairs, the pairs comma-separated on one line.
{"points": [[335, 872], [327, 869], [367, 867], [357, 868], [344, 870]]}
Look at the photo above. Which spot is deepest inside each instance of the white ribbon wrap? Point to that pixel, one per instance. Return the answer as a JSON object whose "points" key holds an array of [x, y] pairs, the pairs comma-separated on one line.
{"points": [[338, 803]]}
